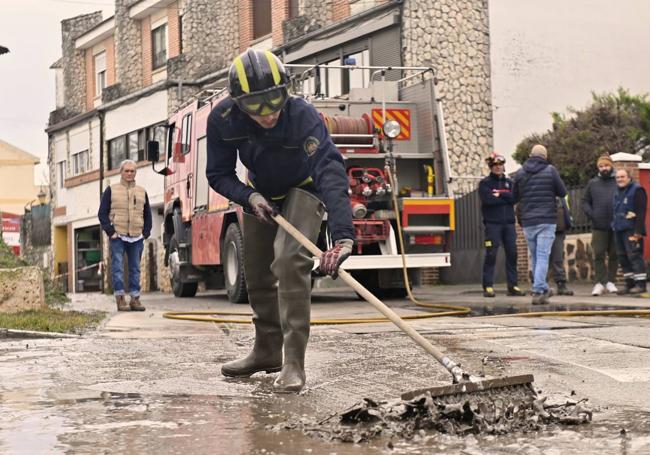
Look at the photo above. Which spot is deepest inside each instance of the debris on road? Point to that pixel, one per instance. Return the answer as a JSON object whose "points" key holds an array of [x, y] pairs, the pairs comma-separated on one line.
{"points": [[481, 413]]}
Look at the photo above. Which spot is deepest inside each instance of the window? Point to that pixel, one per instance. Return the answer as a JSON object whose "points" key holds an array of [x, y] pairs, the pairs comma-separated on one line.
{"points": [[159, 46], [294, 8], [80, 162], [158, 133], [180, 34], [358, 78], [116, 152], [261, 18], [61, 173], [100, 73], [135, 143], [186, 134]]}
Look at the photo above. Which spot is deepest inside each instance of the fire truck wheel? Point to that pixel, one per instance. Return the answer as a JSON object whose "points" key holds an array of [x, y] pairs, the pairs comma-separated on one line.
{"points": [[180, 288], [232, 258]]}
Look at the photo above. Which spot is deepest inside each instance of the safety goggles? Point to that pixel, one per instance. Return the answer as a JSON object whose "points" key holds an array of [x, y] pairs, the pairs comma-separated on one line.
{"points": [[263, 103]]}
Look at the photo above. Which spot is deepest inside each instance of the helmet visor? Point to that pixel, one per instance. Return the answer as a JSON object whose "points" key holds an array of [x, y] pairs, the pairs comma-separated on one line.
{"points": [[264, 103]]}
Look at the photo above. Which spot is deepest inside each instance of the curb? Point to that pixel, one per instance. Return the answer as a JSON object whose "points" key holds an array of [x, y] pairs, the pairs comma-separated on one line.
{"points": [[22, 334]]}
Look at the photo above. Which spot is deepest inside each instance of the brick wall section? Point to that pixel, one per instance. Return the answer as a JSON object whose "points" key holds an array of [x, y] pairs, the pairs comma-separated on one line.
{"points": [[522, 257], [245, 24], [110, 61], [173, 31], [90, 79], [145, 27], [280, 13], [340, 9]]}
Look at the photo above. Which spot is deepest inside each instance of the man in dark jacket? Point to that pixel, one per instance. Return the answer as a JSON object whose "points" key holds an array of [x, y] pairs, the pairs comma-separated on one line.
{"points": [[497, 206], [556, 260], [630, 204], [598, 205], [537, 184], [294, 168]]}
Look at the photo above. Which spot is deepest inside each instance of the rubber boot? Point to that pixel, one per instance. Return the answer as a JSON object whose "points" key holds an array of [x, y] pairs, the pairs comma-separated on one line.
{"points": [[292, 266], [562, 289], [121, 303], [629, 284], [638, 288], [266, 354]]}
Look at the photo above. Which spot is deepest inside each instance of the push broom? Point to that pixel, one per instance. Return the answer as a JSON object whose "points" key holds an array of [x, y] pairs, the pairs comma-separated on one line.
{"points": [[463, 383]]}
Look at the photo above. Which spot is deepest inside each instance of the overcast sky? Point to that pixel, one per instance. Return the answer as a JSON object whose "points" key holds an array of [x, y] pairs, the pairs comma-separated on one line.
{"points": [[31, 29], [546, 55]]}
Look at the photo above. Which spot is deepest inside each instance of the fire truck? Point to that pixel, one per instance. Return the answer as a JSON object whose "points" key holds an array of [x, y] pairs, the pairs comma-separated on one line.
{"points": [[392, 137]]}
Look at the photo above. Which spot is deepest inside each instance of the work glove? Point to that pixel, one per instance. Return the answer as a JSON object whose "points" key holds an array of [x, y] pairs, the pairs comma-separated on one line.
{"points": [[262, 209], [331, 260]]}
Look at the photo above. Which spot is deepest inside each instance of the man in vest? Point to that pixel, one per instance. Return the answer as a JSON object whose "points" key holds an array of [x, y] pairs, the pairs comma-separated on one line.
{"points": [[294, 168], [125, 216], [497, 206], [630, 204]]}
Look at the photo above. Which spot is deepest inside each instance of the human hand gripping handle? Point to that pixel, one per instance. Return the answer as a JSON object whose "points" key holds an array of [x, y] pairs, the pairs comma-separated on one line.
{"points": [[262, 209], [332, 259]]}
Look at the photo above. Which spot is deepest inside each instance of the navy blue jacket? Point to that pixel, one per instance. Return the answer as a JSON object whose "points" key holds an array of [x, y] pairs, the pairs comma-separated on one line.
{"points": [[497, 210], [278, 159], [537, 184], [632, 198], [104, 213]]}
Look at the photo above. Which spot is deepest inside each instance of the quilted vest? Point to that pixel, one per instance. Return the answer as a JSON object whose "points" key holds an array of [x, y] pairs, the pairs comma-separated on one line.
{"points": [[127, 208]]}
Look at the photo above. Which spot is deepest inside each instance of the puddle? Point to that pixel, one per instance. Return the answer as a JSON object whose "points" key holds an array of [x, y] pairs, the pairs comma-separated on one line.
{"points": [[85, 421], [497, 309], [131, 423]]}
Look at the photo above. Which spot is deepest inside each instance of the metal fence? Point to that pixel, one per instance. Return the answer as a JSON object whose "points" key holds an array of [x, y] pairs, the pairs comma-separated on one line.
{"points": [[581, 223], [467, 244]]}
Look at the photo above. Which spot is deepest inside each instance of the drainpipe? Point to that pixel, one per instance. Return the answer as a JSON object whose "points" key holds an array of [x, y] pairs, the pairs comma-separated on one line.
{"points": [[101, 191]]}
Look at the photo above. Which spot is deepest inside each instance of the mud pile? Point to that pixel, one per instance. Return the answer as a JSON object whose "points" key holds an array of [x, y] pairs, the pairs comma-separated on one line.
{"points": [[486, 412]]}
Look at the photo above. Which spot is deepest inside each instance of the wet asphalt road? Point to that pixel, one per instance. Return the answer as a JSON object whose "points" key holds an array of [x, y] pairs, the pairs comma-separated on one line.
{"points": [[144, 384]]}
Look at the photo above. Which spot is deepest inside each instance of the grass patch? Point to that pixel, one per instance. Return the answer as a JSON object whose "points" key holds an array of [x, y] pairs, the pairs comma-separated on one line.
{"points": [[52, 320], [8, 260]]}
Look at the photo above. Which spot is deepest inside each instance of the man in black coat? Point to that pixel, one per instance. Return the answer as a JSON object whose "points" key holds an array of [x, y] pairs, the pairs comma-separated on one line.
{"points": [[598, 203], [537, 184], [497, 206]]}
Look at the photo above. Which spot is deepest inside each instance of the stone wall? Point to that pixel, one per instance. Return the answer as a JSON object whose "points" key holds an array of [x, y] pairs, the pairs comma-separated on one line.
{"points": [[21, 289], [73, 63], [210, 43], [313, 14], [453, 37], [128, 48]]}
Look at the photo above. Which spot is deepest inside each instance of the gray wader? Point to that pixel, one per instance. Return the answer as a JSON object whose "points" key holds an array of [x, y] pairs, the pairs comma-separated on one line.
{"points": [[278, 277]]}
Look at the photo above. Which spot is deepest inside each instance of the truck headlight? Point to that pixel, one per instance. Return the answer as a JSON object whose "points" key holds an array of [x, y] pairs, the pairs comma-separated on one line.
{"points": [[391, 129]]}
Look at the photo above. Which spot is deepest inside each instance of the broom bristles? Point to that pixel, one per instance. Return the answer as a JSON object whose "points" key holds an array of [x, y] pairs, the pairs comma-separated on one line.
{"points": [[468, 387]]}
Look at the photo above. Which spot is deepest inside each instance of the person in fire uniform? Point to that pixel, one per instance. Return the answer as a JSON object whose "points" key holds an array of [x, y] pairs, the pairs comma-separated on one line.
{"points": [[293, 169], [497, 205]]}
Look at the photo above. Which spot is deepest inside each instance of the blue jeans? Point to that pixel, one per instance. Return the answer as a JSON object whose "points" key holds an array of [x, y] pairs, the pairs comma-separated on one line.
{"points": [[133, 253], [540, 240]]}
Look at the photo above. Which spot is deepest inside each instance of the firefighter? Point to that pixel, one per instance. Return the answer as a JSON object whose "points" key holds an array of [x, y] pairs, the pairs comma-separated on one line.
{"points": [[628, 223], [294, 169], [497, 206]]}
